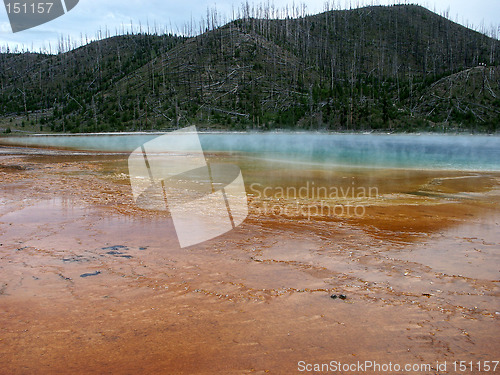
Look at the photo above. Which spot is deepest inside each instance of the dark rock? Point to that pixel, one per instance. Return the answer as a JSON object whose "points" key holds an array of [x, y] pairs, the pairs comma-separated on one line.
{"points": [[90, 274]]}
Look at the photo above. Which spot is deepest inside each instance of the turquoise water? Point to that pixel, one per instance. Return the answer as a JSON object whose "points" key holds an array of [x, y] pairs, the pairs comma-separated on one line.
{"points": [[461, 152]]}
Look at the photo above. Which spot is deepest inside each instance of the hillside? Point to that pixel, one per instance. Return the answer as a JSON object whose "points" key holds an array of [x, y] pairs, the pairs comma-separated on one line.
{"points": [[55, 90], [396, 68]]}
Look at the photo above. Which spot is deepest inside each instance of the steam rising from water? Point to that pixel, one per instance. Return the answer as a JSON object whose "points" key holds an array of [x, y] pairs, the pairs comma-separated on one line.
{"points": [[465, 152]]}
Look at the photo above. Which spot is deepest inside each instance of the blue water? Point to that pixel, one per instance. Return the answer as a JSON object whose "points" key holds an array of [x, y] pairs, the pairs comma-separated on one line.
{"points": [[460, 152]]}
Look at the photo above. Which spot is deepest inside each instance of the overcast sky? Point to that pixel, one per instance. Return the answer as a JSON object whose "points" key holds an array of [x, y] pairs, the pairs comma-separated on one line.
{"points": [[91, 15]]}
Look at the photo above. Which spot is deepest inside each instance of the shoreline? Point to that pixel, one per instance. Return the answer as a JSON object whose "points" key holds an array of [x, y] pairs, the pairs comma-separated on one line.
{"points": [[256, 131]]}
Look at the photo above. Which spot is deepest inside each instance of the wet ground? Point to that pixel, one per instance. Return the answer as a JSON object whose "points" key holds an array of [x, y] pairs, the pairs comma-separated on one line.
{"points": [[89, 283]]}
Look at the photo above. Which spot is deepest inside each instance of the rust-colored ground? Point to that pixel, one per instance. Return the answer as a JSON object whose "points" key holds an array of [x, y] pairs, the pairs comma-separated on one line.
{"points": [[420, 269]]}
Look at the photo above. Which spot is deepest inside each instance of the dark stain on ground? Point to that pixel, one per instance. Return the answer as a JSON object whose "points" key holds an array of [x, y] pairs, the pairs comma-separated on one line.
{"points": [[115, 251], [90, 274], [77, 258]]}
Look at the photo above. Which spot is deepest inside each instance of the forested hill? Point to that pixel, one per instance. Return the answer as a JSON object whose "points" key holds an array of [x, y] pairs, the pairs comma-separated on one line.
{"points": [[398, 68]]}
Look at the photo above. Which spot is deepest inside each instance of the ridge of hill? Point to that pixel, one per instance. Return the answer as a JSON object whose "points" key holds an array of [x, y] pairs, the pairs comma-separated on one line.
{"points": [[399, 68]]}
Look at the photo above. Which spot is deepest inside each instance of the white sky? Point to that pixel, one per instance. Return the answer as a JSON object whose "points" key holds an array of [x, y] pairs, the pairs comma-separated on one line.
{"points": [[91, 15]]}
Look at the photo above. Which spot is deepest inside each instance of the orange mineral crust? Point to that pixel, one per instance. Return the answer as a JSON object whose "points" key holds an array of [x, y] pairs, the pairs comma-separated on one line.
{"points": [[90, 283]]}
